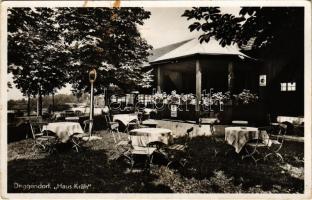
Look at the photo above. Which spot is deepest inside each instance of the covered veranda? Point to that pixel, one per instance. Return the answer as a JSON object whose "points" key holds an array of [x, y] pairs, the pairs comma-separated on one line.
{"points": [[193, 67]]}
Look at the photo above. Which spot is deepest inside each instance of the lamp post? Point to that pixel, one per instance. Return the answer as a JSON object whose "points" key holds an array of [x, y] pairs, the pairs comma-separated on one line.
{"points": [[92, 77], [105, 96]]}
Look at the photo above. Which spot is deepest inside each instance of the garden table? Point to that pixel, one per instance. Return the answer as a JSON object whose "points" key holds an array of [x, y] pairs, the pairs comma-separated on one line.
{"points": [[125, 119], [144, 136], [239, 136], [64, 130], [150, 123]]}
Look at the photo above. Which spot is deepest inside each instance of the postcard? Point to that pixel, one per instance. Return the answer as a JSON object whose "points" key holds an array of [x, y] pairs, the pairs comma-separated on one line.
{"points": [[156, 99]]}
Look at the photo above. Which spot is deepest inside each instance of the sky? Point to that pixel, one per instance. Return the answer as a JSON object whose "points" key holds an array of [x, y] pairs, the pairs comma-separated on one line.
{"points": [[165, 26]]}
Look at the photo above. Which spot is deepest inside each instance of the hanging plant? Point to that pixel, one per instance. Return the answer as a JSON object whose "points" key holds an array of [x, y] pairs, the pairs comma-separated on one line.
{"points": [[246, 97]]}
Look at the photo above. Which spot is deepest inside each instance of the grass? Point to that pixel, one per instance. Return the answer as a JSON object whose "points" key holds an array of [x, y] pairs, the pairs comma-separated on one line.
{"points": [[206, 173]]}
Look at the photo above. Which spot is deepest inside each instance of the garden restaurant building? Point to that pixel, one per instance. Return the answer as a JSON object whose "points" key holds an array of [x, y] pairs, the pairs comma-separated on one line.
{"points": [[193, 67]]}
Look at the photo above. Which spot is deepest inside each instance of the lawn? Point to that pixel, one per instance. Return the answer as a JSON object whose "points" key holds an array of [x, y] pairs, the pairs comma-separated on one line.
{"points": [[94, 169]]}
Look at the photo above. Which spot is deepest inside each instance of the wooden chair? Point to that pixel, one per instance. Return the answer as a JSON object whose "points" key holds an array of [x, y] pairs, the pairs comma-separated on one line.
{"points": [[81, 138], [133, 124], [179, 153], [112, 127], [268, 146], [42, 139], [277, 141], [108, 121], [132, 152], [211, 122]]}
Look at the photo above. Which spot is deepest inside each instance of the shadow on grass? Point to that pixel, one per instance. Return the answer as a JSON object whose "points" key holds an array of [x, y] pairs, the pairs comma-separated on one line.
{"points": [[66, 170], [206, 173], [227, 168]]}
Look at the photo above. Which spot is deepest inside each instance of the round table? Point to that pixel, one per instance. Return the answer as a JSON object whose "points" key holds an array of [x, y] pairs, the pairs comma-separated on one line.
{"points": [[239, 136], [145, 136], [125, 119], [63, 130], [150, 123]]}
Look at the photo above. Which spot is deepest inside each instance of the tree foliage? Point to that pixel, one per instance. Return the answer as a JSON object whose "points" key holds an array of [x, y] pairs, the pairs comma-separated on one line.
{"points": [[277, 28], [106, 39], [36, 56], [48, 47]]}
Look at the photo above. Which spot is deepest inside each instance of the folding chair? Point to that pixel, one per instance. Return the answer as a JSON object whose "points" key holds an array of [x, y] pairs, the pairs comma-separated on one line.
{"points": [[42, 140], [211, 122], [134, 152], [121, 145], [133, 124], [267, 146], [81, 138], [277, 142], [179, 153], [108, 121]]}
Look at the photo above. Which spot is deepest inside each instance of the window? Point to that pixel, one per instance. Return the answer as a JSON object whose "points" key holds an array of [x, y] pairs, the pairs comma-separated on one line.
{"points": [[290, 86], [283, 87]]}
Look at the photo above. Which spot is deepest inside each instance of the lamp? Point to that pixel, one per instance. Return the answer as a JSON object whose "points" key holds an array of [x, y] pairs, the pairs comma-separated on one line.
{"points": [[92, 78], [92, 75]]}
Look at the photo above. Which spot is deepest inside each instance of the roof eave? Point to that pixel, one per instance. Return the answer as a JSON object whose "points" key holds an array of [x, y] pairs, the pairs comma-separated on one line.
{"points": [[195, 54]]}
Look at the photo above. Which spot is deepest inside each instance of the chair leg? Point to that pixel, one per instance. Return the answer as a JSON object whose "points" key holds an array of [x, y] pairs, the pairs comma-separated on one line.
{"points": [[75, 145], [127, 129], [169, 163], [117, 131], [274, 153], [251, 154], [114, 137], [37, 144], [280, 156]]}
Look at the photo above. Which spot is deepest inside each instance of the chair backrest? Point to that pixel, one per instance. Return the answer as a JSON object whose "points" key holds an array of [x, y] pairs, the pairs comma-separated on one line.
{"points": [[190, 130], [140, 116], [114, 126], [210, 121], [78, 113], [282, 132], [36, 128], [188, 134], [136, 121], [86, 123], [107, 118]]}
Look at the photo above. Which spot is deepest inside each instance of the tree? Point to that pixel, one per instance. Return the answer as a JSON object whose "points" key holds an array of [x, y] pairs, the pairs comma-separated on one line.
{"points": [[106, 39], [279, 29], [47, 46], [36, 55]]}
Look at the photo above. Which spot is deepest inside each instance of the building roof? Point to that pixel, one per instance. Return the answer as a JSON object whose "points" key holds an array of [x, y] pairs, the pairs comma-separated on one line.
{"points": [[156, 53], [193, 47]]}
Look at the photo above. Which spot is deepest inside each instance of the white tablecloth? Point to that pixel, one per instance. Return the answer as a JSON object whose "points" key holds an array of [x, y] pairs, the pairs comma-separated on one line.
{"points": [[149, 110], [239, 136], [63, 130], [125, 118], [144, 136], [150, 122], [293, 120]]}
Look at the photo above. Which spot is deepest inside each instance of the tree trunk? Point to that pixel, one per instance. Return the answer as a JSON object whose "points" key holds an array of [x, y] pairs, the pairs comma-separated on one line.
{"points": [[53, 103], [40, 103], [28, 105], [37, 111]]}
